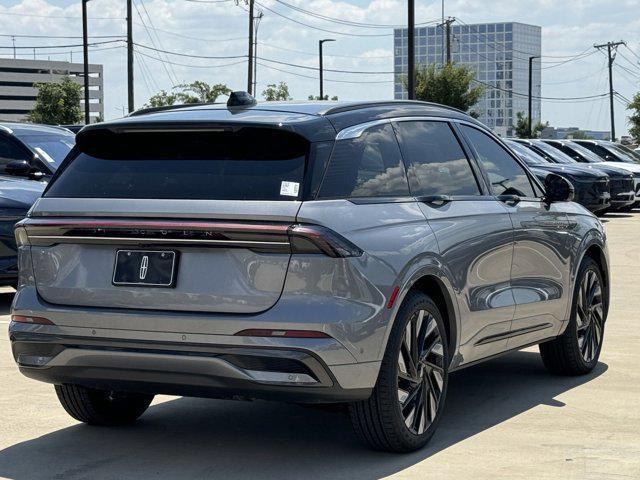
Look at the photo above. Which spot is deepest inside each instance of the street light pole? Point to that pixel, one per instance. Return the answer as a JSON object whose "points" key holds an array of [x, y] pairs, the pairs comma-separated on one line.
{"points": [[85, 52], [320, 42], [530, 122], [130, 98], [411, 57]]}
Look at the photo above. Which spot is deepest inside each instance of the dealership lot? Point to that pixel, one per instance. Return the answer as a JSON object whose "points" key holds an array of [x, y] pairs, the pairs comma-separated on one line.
{"points": [[507, 418]]}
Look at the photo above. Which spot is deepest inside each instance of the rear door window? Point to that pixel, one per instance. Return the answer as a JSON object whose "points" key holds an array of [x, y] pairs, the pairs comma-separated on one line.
{"points": [[240, 164], [367, 166], [436, 163], [506, 175]]}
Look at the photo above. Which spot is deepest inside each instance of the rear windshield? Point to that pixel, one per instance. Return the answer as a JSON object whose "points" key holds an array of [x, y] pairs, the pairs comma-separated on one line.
{"points": [[241, 164]]}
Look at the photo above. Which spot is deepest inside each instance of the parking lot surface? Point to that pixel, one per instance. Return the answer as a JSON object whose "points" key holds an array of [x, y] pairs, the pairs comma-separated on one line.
{"points": [[507, 418]]}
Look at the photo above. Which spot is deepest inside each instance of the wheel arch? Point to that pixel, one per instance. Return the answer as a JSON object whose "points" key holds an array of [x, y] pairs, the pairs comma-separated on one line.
{"points": [[598, 254], [432, 282]]}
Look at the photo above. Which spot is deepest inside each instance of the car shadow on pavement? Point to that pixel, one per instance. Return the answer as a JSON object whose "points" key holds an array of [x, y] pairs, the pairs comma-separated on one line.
{"points": [[199, 438]]}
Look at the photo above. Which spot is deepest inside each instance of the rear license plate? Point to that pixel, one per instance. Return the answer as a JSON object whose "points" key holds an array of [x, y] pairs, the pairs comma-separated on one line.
{"points": [[145, 268]]}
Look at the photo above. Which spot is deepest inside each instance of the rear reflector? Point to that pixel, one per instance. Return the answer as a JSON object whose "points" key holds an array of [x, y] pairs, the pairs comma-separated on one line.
{"points": [[33, 320], [263, 332]]}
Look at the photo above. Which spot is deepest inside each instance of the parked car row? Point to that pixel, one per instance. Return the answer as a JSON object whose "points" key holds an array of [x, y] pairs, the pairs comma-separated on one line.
{"points": [[307, 252], [29, 156], [604, 177]]}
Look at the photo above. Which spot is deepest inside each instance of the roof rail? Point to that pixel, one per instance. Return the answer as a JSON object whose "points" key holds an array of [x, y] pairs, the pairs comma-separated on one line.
{"points": [[357, 106], [148, 110]]}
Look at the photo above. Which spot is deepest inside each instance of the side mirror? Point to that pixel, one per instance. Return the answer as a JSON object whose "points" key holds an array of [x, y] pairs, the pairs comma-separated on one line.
{"points": [[558, 189], [20, 168]]}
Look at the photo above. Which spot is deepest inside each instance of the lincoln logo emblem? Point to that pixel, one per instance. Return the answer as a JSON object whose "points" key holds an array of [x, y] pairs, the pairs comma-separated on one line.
{"points": [[144, 266]]}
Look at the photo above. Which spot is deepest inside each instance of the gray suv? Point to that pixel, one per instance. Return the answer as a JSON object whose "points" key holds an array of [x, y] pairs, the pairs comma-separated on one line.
{"points": [[306, 252]]}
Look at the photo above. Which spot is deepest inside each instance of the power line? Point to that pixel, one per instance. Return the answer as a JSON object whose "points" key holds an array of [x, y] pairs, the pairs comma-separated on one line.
{"points": [[315, 54], [172, 81], [324, 29], [191, 65], [351, 23], [271, 67], [189, 37], [69, 17], [10, 35], [563, 99], [38, 47], [157, 36], [306, 67], [169, 52]]}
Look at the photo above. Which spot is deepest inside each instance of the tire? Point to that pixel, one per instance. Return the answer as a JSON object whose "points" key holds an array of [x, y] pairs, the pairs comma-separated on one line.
{"points": [[577, 350], [393, 419], [102, 407]]}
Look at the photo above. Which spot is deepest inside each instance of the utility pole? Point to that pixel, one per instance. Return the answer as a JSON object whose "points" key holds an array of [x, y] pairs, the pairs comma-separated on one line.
{"points": [[530, 119], [130, 97], [447, 30], [411, 49], [85, 53], [255, 52], [13, 40], [612, 48], [250, 63], [320, 42]]}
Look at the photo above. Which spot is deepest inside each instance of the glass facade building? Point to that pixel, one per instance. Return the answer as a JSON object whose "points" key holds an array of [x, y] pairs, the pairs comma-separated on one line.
{"points": [[498, 53]]}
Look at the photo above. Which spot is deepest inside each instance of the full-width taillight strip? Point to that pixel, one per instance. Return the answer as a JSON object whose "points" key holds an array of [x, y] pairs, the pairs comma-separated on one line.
{"points": [[276, 237]]}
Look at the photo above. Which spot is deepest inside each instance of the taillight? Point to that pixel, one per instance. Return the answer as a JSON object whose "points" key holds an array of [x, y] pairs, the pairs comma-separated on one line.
{"points": [[266, 332], [32, 320], [22, 239], [318, 239]]}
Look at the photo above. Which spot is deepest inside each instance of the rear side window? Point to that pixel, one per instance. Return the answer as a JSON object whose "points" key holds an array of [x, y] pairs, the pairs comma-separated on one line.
{"points": [[244, 164], [367, 166], [436, 163], [507, 176]]}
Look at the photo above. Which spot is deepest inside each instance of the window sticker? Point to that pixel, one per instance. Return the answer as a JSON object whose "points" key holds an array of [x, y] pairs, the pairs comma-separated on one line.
{"points": [[289, 189]]}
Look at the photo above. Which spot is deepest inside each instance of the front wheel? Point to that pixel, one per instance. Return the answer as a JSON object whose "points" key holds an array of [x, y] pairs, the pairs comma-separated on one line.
{"points": [[577, 350], [102, 407], [406, 404]]}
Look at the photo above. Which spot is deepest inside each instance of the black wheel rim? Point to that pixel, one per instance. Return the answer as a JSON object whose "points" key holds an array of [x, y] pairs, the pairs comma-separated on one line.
{"points": [[421, 372], [590, 316]]}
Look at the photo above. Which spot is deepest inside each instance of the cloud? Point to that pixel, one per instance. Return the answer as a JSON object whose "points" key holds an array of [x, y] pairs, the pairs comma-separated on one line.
{"points": [[220, 29]]}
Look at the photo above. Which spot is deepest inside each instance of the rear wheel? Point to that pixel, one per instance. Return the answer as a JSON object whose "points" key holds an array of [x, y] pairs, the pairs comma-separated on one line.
{"points": [[577, 350], [102, 407], [406, 404]]}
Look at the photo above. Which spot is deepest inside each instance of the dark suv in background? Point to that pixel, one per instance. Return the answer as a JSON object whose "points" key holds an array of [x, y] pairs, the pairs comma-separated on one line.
{"points": [[306, 252], [29, 156]]}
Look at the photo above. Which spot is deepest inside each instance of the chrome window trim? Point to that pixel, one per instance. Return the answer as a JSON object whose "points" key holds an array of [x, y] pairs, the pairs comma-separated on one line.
{"points": [[356, 131]]}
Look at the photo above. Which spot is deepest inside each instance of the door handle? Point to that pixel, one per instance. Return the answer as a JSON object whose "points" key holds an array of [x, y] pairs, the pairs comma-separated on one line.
{"points": [[513, 199], [435, 199]]}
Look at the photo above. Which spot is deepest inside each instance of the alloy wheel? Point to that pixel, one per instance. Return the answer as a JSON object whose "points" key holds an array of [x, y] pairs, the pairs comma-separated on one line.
{"points": [[421, 372], [590, 316]]}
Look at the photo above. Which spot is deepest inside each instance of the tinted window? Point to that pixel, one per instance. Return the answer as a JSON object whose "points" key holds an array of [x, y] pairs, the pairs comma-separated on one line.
{"points": [[9, 151], [507, 177], [603, 153], [436, 164], [51, 149], [529, 156], [367, 166], [551, 153], [247, 164]]}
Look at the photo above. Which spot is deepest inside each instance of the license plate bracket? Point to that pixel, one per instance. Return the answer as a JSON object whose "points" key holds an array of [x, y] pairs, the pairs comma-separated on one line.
{"points": [[145, 268]]}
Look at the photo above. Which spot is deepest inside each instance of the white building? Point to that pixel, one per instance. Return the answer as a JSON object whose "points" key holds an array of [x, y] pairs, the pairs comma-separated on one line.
{"points": [[18, 76]]}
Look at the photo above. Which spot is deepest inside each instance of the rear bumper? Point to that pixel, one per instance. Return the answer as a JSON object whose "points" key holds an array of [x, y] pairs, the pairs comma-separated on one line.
{"points": [[185, 368]]}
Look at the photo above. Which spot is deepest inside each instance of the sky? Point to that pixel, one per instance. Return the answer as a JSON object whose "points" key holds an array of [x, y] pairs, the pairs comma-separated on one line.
{"points": [[218, 28]]}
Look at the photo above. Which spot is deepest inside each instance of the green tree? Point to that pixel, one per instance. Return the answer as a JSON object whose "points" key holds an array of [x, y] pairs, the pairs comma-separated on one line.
{"points": [[326, 97], [522, 127], [277, 92], [451, 85], [161, 99], [201, 92], [57, 103], [634, 118]]}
